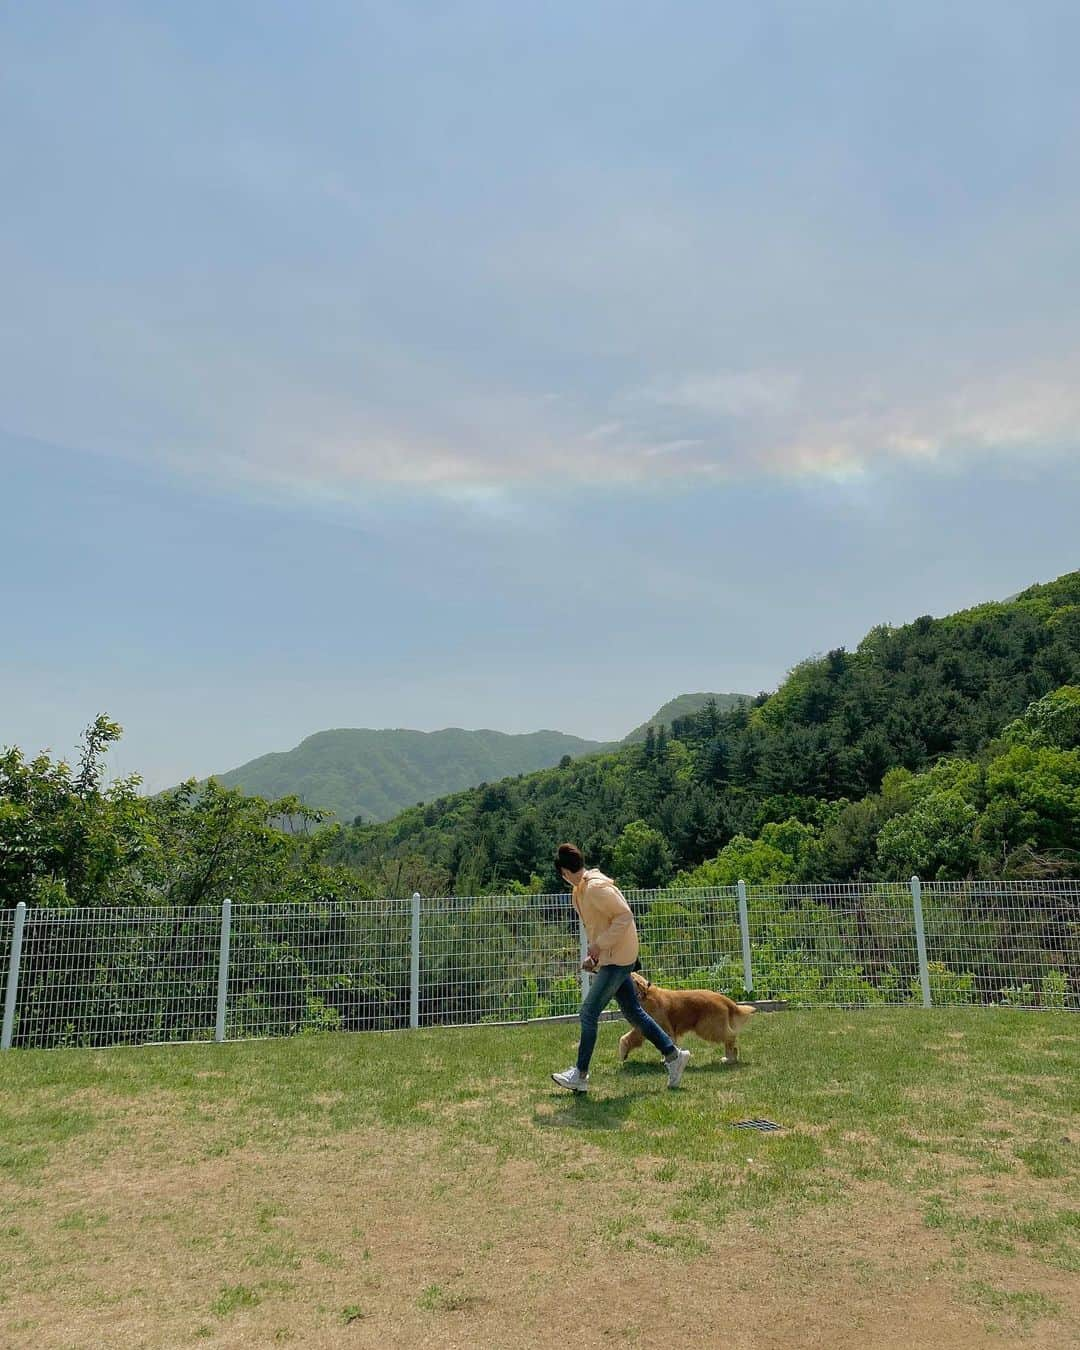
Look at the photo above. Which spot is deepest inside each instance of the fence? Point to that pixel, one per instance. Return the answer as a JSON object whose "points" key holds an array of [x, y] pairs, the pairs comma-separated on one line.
{"points": [[106, 976]]}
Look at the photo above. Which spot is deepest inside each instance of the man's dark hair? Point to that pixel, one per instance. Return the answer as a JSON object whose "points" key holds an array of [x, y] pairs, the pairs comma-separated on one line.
{"points": [[569, 856]]}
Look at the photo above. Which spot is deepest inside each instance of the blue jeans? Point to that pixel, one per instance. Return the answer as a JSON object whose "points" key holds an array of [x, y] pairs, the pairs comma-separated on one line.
{"points": [[614, 982]]}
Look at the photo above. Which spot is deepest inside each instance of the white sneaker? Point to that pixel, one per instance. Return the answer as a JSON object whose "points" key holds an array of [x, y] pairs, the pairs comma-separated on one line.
{"points": [[573, 1079], [675, 1067]]}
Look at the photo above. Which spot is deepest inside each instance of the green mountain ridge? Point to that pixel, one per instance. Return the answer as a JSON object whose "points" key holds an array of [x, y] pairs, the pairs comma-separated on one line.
{"points": [[849, 742], [374, 774], [685, 705]]}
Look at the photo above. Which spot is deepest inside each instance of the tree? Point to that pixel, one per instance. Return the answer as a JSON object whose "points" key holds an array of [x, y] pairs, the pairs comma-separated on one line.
{"points": [[743, 859], [1051, 721], [71, 839], [68, 838], [935, 839], [641, 857], [716, 767], [1038, 792], [709, 718]]}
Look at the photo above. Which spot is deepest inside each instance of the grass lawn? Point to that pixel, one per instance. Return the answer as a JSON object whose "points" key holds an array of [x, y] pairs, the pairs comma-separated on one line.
{"points": [[435, 1188]]}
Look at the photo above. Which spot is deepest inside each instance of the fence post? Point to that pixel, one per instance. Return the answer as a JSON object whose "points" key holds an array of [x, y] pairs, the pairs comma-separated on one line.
{"points": [[744, 929], [223, 969], [920, 939], [583, 952], [414, 969], [13, 976]]}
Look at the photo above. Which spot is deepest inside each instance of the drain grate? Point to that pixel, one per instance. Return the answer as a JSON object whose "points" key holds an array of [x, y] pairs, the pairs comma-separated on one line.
{"points": [[756, 1125]]}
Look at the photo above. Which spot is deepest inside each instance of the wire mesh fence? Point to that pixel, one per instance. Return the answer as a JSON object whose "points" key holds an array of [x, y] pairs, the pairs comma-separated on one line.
{"points": [[689, 936], [106, 976], [834, 944], [498, 959], [1016, 943], [7, 923], [332, 966], [98, 977]]}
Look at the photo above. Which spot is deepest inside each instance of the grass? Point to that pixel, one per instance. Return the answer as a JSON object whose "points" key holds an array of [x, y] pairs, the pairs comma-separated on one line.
{"points": [[333, 1186]]}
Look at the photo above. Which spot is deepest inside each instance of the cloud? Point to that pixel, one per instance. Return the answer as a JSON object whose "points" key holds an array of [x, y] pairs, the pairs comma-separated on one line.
{"points": [[479, 448], [673, 447], [1019, 417], [304, 299], [727, 393]]}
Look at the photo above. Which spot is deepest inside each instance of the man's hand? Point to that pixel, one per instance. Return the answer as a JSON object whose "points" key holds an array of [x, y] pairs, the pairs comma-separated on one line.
{"points": [[594, 954], [589, 963]]}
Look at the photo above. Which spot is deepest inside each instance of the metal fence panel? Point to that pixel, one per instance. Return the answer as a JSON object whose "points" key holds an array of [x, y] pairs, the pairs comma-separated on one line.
{"points": [[689, 937], [323, 966], [7, 924], [834, 944], [7, 928], [102, 976], [1003, 942], [498, 959]]}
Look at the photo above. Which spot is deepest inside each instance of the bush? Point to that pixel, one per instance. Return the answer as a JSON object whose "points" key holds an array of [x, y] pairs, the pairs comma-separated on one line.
{"points": [[946, 986], [1054, 989]]}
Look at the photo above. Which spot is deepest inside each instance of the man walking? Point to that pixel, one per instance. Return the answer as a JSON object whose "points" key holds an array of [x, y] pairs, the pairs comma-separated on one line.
{"points": [[613, 951]]}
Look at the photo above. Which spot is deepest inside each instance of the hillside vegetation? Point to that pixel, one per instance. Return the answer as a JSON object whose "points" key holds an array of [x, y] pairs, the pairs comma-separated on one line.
{"points": [[683, 706], [374, 774], [944, 746], [358, 772]]}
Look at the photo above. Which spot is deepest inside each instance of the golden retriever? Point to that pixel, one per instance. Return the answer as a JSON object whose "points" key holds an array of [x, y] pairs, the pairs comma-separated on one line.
{"points": [[713, 1017]]}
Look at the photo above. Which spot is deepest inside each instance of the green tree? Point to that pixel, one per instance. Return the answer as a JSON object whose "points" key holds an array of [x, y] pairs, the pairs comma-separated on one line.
{"points": [[641, 856], [1051, 721], [743, 859], [935, 839], [70, 838], [1037, 791]]}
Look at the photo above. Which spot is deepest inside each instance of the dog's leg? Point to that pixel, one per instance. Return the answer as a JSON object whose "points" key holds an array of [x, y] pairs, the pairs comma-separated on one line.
{"points": [[630, 1041], [731, 1050]]}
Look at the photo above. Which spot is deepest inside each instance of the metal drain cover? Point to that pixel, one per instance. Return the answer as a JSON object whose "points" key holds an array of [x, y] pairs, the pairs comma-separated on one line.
{"points": [[756, 1125]]}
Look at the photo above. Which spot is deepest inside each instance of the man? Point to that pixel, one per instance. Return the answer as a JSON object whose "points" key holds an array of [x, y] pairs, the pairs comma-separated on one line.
{"points": [[613, 951]]}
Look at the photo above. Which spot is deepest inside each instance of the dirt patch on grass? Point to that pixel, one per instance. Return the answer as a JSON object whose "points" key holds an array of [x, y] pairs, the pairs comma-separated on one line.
{"points": [[324, 1201], [368, 1239]]}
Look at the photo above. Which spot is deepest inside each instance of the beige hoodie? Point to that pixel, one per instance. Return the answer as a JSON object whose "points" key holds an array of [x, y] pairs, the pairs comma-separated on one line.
{"points": [[608, 920]]}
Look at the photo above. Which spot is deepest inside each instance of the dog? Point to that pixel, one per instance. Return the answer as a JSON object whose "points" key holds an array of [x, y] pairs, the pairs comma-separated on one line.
{"points": [[713, 1017]]}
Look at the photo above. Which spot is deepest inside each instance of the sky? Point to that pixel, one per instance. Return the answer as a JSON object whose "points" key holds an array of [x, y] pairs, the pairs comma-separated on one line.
{"points": [[476, 364]]}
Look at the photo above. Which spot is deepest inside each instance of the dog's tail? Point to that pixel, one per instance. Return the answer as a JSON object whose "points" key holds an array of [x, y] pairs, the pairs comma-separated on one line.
{"points": [[742, 1014]]}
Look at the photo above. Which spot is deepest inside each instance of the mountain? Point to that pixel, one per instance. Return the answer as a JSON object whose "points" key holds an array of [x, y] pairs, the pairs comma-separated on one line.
{"points": [[812, 757], [375, 774], [686, 705]]}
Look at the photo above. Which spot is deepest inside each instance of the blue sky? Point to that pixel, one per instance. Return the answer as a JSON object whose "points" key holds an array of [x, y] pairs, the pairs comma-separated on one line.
{"points": [[516, 366]]}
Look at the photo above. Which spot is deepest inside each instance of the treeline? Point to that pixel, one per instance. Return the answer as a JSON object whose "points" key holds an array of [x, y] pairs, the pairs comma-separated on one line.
{"points": [[68, 837], [926, 749]]}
